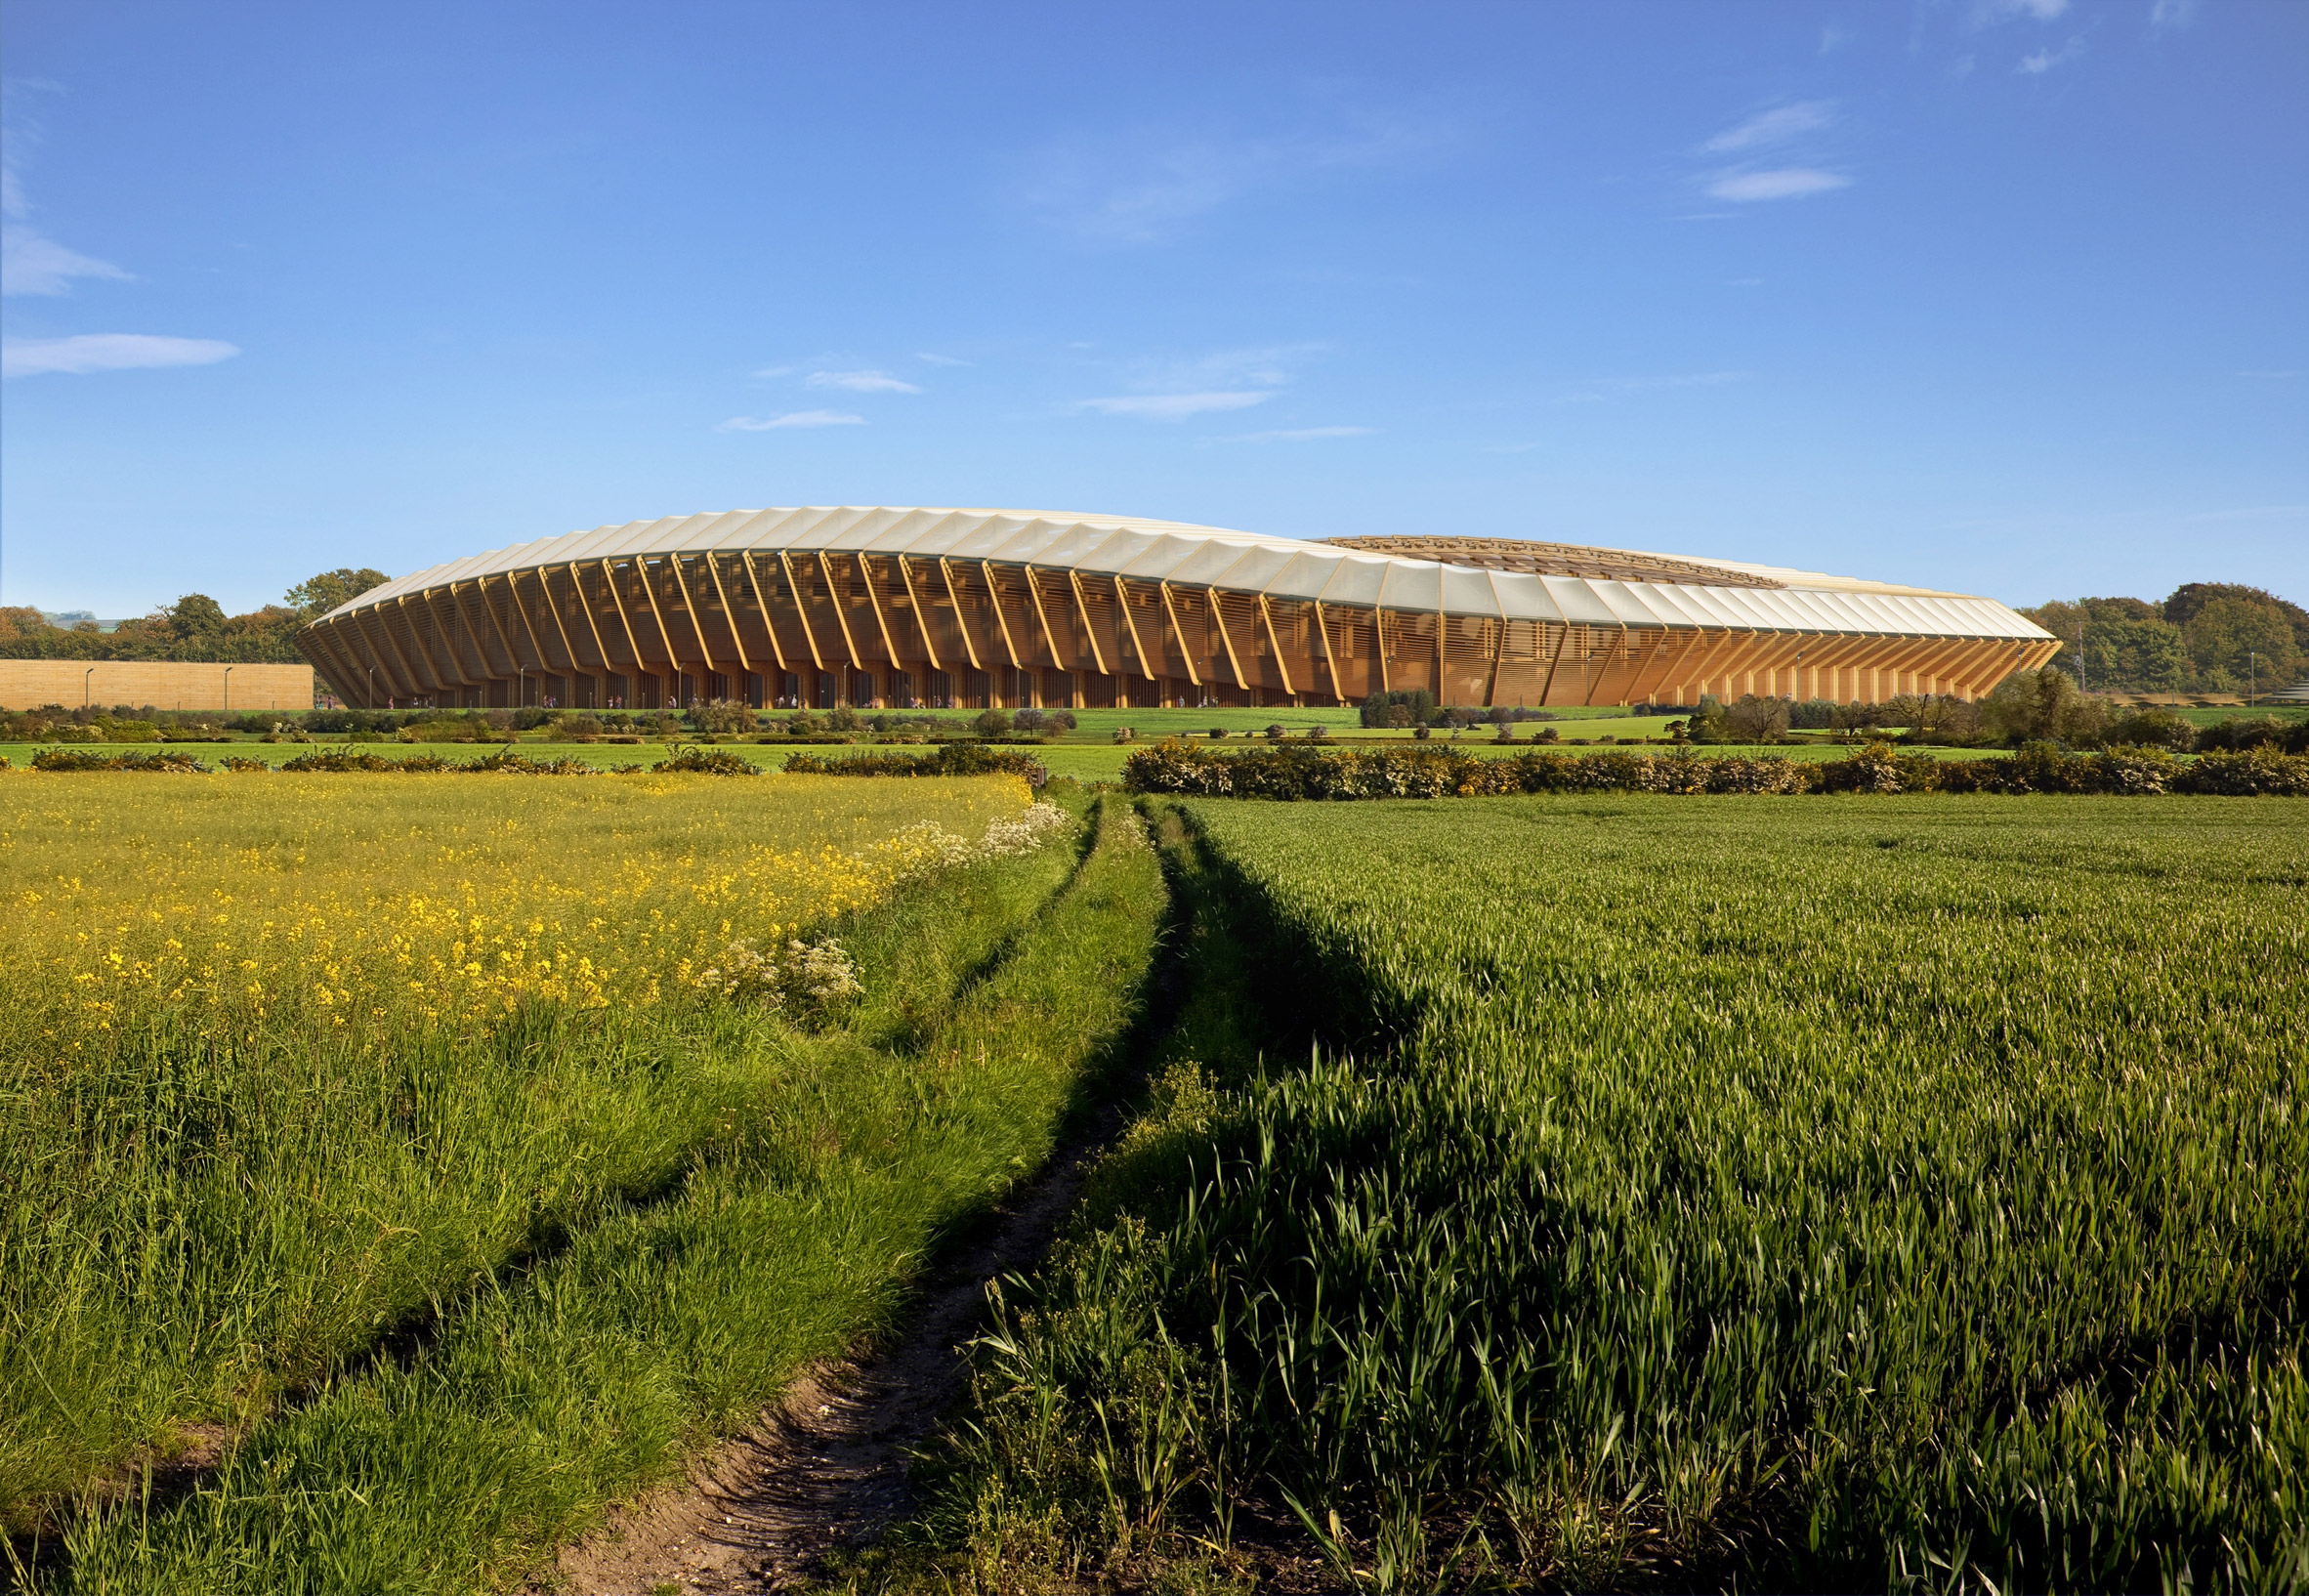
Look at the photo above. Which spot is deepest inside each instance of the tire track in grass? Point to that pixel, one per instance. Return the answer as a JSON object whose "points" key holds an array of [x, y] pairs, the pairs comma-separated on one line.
{"points": [[826, 1467]]}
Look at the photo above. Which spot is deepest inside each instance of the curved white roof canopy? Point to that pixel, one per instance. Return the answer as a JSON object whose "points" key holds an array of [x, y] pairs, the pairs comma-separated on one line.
{"points": [[1281, 567]]}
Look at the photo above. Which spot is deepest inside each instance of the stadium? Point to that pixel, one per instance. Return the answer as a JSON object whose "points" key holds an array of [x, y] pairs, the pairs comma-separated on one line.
{"points": [[973, 608]]}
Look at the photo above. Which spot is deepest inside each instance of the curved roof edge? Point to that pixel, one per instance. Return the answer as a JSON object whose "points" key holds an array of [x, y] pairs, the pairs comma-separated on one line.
{"points": [[1770, 597]]}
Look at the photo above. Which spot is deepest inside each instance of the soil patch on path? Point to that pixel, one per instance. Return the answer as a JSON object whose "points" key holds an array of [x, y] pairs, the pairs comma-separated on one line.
{"points": [[826, 1468]]}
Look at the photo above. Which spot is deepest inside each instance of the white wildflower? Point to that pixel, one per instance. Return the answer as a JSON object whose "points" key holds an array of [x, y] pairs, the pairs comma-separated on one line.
{"points": [[802, 981], [1029, 830]]}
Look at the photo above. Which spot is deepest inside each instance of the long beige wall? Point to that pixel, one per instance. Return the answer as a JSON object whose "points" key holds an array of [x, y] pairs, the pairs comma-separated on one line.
{"points": [[29, 683]]}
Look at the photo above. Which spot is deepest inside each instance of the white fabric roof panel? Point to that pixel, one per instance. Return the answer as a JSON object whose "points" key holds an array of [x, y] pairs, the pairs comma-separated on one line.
{"points": [[1280, 566]]}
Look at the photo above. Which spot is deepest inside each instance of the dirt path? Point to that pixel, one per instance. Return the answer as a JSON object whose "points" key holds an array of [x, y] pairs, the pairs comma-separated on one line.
{"points": [[826, 1468]]}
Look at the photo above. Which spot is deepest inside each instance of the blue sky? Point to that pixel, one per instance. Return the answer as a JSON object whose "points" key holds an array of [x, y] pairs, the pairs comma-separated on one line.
{"points": [[2010, 296]]}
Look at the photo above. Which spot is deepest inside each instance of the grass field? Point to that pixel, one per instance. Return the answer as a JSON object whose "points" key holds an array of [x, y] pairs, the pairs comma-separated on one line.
{"points": [[386, 1143], [1872, 1194]]}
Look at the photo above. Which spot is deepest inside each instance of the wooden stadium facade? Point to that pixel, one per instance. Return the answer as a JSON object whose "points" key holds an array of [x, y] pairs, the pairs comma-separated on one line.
{"points": [[893, 608]]}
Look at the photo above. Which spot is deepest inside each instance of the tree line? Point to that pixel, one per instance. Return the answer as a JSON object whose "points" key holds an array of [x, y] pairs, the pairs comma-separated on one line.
{"points": [[2206, 637], [194, 628]]}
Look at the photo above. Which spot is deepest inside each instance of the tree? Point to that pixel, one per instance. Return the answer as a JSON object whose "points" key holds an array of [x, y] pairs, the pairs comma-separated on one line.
{"points": [[2028, 706], [2238, 639], [195, 615], [1757, 720], [2191, 596], [321, 594], [2128, 646]]}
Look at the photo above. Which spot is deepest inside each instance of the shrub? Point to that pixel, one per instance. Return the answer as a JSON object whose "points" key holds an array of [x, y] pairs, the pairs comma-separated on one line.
{"points": [[722, 715], [991, 723], [2153, 727], [691, 761], [948, 759], [335, 761], [1299, 772], [67, 759], [2262, 772]]}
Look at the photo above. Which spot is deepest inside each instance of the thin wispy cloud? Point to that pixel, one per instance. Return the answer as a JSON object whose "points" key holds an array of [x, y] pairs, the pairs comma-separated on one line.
{"points": [[770, 372], [30, 261], [1172, 388], [863, 382], [2041, 62], [107, 352], [1142, 185], [1172, 406], [1299, 434], [2173, 14], [1776, 126], [792, 419], [941, 359], [1780, 182], [1787, 134], [1998, 11]]}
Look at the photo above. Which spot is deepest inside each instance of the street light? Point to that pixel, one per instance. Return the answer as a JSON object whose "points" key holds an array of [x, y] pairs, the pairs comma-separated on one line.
{"points": [[84, 676], [228, 689]]}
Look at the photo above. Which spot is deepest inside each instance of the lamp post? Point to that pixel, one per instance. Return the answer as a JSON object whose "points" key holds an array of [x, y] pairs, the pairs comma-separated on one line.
{"points": [[84, 676], [228, 689], [2252, 676]]}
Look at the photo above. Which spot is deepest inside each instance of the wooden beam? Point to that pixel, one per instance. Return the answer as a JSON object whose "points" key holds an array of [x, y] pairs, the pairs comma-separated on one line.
{"points": [[1498, 648], [322, 637], [1098, 656], [1186, 654], [673, 660], [1330, 661], [1635, 677], [1043, 616], [728, 616], [1275, 640], [1218, 612], [1673, 656], [1594, 678], [1138, 644], [545, 594], [865, 572], [375, 616], [1442, 631], [1379, 645], [994, 598], [802, 607], [599, 649], [481, 642], [480, 592], [513, 586], [705, 654], [1701, 674], [1561, 643], [433, 668], [841, 610], [921, 616], [617, 601], [961, 620], [769, 621], [433, 601]]}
